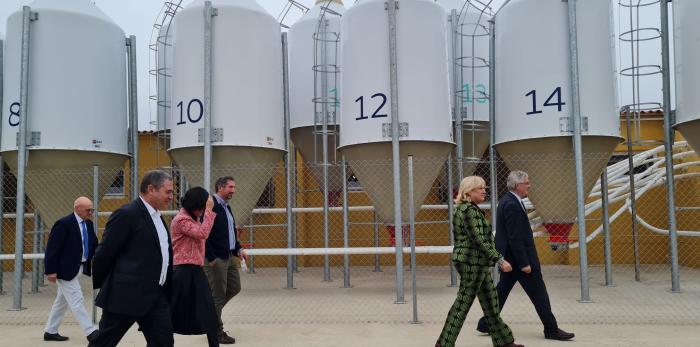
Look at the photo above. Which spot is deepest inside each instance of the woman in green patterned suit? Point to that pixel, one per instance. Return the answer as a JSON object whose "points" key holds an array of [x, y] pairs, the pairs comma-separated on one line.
{"points": [[473, 255]]}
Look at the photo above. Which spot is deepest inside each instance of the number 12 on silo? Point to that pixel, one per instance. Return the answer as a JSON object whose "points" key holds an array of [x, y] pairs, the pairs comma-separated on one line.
{"points": [[533, 95]]}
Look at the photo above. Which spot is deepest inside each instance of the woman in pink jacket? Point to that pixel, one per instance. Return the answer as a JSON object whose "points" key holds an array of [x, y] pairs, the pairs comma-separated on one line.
{"points": [[191, 303]]}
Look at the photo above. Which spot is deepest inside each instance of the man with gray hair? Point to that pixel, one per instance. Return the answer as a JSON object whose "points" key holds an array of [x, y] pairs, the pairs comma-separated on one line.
{"points": [[515, 241], [133, 265]]}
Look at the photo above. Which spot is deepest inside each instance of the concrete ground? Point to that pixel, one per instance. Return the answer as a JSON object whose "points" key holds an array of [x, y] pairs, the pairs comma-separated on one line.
{"points": [[318, 313], [375, 334]]}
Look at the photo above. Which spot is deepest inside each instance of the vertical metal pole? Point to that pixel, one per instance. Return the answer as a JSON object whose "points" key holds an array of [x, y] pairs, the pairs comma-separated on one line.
{"points": [[251, 239], [395, 158], [346, 226], [2, 166], [412, 223], [35, 249], [22, 159], [2, 195], [42, 250], [288, 161], [492, 122], [133, 118], [324, 150], [450, 210], [293, 192], [606, 228], [209, 13], [668, 147], [95, 223], [457, 86], [633, 197], [578, 152], [377, 257]]}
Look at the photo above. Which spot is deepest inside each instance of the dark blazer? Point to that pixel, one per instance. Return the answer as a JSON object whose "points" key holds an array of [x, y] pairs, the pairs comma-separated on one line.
{"points": [[127, 263], [513, 234], [218, 243], [64, 251]]}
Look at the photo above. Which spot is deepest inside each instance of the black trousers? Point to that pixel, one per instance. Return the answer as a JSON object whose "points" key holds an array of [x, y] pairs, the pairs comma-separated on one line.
{"points": [[155, 325], [534, 287]]}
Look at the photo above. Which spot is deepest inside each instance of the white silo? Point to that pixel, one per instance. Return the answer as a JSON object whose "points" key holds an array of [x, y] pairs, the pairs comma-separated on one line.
{"points": [[687, 55], [164, 73], [77, 103], [423, 98], [246, 101], [472, 70], [307, 37], [533, 101]]}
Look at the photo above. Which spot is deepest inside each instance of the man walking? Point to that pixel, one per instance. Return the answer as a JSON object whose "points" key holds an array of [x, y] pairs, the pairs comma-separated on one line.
{"points": [[133, 267], [71, 245], [223, 253], [515, 241]]}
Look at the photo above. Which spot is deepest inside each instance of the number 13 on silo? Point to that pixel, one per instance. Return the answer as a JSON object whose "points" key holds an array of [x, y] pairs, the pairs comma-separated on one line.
{"points": [[550, 102]]}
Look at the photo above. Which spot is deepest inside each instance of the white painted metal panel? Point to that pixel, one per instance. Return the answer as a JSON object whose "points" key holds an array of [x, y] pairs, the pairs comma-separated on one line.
{"points": [[687, 63], [533, 87], [77, 70], [422, 73], [246, 80], [301, 61]]}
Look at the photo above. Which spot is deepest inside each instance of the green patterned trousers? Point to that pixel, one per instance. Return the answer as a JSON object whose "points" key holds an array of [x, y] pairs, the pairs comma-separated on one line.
{"points": [[475, 281]]}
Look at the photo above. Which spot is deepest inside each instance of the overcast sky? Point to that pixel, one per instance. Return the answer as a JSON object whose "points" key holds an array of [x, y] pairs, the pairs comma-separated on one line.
{"points": [[136, 17]]}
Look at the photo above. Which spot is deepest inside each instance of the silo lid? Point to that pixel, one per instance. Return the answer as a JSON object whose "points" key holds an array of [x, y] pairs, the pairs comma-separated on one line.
{"points": [[86, 7]]}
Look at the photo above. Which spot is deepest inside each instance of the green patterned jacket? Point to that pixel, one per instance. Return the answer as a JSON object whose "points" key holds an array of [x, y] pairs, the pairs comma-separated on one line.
{"points": [[473, 240]]}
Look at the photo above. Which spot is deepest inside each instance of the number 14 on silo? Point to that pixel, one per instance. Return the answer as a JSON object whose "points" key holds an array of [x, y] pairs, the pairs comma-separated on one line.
{"points": [[549, 102]]}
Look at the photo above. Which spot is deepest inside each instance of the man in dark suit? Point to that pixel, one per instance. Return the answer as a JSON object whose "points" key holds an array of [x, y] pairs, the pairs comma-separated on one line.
{"points": [[223, 253], [133, 265], [515, 241], [71, 245]]}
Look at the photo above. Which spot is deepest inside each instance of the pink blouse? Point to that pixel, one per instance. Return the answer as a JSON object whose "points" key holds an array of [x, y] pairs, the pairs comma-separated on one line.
{"points": [[189, 237]]}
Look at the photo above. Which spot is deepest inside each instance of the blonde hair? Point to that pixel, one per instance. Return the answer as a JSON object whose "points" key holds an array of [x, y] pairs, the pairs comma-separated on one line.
{"points": [[468, 184]]}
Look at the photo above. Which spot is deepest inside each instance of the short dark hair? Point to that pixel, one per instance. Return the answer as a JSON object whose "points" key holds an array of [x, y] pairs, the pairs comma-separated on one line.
{"points": [[222, 181], [154, 178], [194, 199]]}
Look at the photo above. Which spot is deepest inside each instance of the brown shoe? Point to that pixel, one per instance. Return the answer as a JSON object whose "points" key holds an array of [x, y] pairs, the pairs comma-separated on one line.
{"points": [[225, 339]]}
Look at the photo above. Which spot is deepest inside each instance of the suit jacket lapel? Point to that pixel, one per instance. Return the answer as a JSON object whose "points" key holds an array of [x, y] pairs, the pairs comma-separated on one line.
{"points": [[149, 222]]}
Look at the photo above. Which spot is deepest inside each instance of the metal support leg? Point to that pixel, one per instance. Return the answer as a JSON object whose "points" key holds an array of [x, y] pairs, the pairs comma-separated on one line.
{"points": [[346, 227], [606, 228], [412, 223], [377, 257], [96, 223], [251, 239]]}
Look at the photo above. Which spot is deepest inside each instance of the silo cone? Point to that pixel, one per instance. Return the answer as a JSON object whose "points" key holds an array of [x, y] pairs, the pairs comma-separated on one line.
{"points": [[55, 178], [252, 169], [550, 165]]}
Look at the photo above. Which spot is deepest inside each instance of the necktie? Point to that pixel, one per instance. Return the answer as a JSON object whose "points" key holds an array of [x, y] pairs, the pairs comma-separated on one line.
{"points": [[85, 239], [523, 205]]}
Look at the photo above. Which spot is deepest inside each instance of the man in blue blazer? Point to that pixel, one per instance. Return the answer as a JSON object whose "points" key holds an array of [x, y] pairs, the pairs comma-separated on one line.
{"points": [[223, 253], [515, 241], [71, 245]]}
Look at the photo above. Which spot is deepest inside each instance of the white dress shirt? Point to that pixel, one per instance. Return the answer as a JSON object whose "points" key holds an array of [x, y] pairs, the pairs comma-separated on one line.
{"points": [[231, 222], [82, 241], [162, 238]]}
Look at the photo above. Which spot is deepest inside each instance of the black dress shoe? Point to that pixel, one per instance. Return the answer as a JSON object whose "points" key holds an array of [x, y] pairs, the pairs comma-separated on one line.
{"points": [[93, 336], [560, 335], [54, 337], [482, 327], [225, 339]]}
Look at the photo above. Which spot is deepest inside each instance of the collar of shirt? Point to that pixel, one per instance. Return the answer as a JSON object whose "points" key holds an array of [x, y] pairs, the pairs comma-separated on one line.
{"points": [[151, 211], [220, 200], [80, 220]]}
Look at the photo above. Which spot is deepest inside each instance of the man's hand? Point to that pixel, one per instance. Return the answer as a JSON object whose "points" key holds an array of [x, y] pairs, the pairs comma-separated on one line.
{"points": [[526, 269], [506, 267], [211, 263], [242, 255], [51, 278]]}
